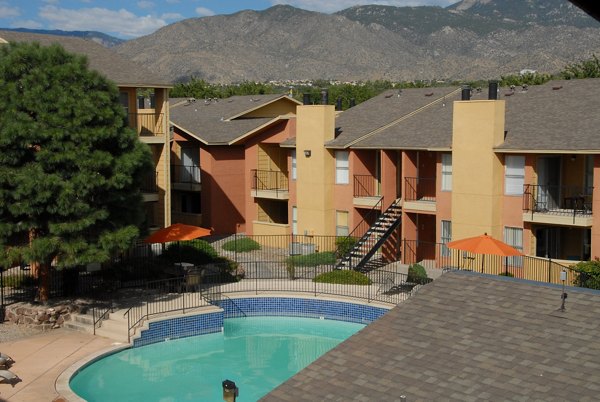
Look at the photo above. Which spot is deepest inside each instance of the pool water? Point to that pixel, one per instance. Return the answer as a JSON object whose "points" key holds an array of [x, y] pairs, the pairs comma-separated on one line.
{"points": [[257, 353]]}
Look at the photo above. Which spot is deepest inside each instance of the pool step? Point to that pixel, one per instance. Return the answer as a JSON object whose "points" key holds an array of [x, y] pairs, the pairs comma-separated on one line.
{"points": [[114, 327], [80, 322]]}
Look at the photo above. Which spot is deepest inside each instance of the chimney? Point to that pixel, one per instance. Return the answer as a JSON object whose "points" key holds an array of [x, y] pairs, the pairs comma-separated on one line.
{"points": [[306, 99], [493, 91], [352, 102], [466, 93], [324, 97], [338, 104]]}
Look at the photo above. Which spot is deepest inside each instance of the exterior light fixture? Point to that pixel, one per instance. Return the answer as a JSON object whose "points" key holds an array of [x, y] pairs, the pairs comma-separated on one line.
{"points": [[307, 153]]}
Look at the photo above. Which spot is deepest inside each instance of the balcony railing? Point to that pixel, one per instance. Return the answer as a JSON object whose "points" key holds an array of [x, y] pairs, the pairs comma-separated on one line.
{"points": [[365, 186], [185, 174], [150, 183], [270, 180], [557, 200], [419, 189], [147, 123]]}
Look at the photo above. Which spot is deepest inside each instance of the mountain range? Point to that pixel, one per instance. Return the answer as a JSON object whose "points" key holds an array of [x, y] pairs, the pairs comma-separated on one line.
{"points": [[469, 40], [472, 39]]}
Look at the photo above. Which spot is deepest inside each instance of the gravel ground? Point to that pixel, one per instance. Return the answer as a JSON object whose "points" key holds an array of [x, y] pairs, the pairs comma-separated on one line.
{"points": [[12, 332]]}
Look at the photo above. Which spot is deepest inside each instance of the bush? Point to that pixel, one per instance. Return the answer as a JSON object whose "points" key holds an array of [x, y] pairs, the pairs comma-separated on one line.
{"points": [[587, 274], [417, 274], [241, 245], [196, 252], [508, 274], [343, 245], [344, 277]]}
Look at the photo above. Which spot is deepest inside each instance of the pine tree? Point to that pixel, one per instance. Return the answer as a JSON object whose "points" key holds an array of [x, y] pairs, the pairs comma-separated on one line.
{"points": [[70, 169]]}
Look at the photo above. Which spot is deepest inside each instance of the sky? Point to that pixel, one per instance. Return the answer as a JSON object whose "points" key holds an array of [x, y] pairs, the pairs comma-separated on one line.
{"points": [[127, 19]]}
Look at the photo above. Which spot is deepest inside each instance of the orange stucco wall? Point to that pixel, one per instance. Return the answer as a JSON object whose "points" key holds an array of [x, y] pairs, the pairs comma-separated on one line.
{"points": [[223, 188]]}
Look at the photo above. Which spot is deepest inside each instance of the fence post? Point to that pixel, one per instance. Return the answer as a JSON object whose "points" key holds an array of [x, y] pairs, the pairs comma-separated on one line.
{"points": [[549, 270], [183, 303], [2, 306]]}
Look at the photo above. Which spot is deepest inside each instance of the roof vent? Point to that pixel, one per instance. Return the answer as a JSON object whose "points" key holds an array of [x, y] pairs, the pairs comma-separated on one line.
{"points": [[556, 88], [429, 94]]}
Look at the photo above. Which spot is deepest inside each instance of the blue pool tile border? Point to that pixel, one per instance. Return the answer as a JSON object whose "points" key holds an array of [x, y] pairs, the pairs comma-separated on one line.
{"points": [[206, 323]]}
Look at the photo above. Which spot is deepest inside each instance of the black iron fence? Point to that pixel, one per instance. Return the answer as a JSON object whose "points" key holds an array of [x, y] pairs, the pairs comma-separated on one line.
{"points": [[269, 180], [419, 189], [365, 186], [557, 200], [189, 174]]}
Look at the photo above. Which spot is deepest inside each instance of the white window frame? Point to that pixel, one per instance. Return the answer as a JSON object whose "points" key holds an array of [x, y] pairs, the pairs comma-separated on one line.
{"points": [[342, 167], [514, 174], [446, 172], [342, 230], [445, 236], [294, 220], [513, 236], [294, 164]]}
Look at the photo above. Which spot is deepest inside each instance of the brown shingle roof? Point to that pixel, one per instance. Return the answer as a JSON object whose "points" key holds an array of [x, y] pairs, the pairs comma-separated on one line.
{"points": [[539, 119], [465, 337], [208, 120], [112, 65]]}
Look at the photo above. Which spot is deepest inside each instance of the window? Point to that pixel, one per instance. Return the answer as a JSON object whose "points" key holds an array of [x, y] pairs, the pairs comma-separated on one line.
{"points": [[342, 167], [446, 237], [293, 164], [514, 176], [341, 223], [294, 220], [446, 172], [514, 237]]}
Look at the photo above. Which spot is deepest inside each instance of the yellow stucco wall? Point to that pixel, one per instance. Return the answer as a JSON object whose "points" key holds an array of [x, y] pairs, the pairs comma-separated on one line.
{"points": [[315, 125], [477, 172]]}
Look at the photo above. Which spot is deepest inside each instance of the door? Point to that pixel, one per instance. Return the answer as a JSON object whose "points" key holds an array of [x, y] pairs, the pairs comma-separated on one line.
{"points": [[548, 170], [547, 242]]}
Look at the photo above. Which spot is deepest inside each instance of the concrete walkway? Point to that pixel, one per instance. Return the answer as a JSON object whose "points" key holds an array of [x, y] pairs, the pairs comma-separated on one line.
{"points": [[40, 359]]}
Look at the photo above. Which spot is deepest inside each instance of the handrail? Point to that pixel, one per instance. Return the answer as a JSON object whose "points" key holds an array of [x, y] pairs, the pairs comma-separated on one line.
{"points": [[375, 211], [419, 189], [270, 180], [100, 317], [364, 186], [557, 200], [185, 173]]}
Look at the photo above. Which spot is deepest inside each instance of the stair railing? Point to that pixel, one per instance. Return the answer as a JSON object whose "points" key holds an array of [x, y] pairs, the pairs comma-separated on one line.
{"points": [[373, 213], [101, 313]]}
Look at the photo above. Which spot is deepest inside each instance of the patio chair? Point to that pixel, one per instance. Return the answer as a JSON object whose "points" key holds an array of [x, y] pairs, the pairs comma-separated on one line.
{"points": [[192, 280], [5, 361], [8, 377]]}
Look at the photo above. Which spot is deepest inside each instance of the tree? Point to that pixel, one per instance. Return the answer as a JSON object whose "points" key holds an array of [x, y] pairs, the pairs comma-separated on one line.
{"points": [[589, 68], [70, 169]]}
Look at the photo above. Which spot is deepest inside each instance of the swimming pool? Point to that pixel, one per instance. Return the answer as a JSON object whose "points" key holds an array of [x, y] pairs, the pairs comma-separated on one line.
{"points": [[257, 353]]}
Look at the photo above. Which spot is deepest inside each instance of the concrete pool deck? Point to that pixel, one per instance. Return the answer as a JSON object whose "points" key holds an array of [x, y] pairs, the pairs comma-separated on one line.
{"points": [[40, 360]]}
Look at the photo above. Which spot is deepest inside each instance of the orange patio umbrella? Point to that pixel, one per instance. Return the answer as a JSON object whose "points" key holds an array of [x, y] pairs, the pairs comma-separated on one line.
{"points": [[177, 232], [484, 244]]}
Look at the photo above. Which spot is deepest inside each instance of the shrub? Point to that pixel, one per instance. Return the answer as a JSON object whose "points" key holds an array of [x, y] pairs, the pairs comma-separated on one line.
{"points": [[196, 252], [587, 274], [241, 245], [344, 277], [417, 274], [508, 274], [343, 245]]}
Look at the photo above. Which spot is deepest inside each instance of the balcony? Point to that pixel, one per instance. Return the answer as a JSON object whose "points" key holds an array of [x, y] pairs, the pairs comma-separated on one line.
{"points": [[149, 125], [270, 184], [185, 177], [149, 187], [557, 205], [419, 194], [366, 191]]}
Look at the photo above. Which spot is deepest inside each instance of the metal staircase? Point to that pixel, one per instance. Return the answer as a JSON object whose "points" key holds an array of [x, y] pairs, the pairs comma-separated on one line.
{"points": [[373, 239]]}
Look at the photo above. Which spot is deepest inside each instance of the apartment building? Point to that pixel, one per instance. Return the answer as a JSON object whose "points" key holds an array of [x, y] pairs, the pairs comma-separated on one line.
{"points": [[520, 164], [144, 96]]}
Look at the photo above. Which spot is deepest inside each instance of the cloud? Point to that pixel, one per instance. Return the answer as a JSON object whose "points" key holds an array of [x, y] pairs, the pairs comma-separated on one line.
{"points": [[204, 12], [145, 4], [172, 16], [30, 24], [7, 12], [122, 22], [330, 6]]}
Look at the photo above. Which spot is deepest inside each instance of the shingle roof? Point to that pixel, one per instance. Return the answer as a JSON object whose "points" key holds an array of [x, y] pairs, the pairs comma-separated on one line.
{"points": [[465, 337], [112, 65], [539, 119], [209, 120]]}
